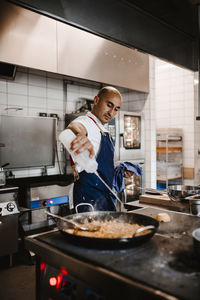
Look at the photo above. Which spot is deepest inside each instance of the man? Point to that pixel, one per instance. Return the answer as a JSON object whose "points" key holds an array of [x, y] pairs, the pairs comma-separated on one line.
{"points": [[92, 136]]}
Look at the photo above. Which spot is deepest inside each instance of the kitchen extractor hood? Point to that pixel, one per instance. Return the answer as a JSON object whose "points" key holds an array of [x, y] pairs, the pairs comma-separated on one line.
{"points": [[32, 40], [167, 29]]}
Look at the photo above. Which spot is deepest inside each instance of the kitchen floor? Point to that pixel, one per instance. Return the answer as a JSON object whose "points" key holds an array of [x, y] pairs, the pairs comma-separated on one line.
{"points": [[18, 281]]}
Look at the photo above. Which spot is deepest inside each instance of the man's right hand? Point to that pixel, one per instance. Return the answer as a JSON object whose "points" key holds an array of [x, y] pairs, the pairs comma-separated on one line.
{"points": [[81, 142]]}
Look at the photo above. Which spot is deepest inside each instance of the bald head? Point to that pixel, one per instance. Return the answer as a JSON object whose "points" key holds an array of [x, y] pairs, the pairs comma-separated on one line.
{"points": [[106, 104], [108, 91]]}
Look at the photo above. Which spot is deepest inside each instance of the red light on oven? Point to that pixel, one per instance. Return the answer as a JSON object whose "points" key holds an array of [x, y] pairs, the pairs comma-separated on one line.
{"points": [[64, 271], [52, 281], [59, 280], [42, 266]]}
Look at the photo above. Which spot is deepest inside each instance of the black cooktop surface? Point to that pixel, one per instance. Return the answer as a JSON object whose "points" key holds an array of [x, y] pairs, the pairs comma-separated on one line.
{"points": [[166, 262]]}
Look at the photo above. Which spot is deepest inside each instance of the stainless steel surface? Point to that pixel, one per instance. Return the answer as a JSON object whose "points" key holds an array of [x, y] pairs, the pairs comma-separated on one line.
{"points": [[27, 38], [29, 141], [2, 177], [196, 240], [8, 208], [141, 229], [75, 225], [161, 28], [8, 194], [84, 55], [83, 204], [8, 222], [8, 234], [68, 50], [181, 192], [45, 192], [194, 202], [135, 156], [123, 153]]}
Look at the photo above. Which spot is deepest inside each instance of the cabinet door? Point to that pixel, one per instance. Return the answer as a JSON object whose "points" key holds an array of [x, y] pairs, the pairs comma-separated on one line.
{"points": [[8, 234]]}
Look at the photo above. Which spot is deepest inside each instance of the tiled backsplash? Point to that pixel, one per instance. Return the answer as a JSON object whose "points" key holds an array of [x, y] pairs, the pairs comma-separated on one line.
{"points": [[34, 91], [171, 102]]}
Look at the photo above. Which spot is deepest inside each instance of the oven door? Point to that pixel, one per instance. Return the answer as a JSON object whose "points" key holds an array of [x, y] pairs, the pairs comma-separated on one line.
{"points": [[129, 136]]}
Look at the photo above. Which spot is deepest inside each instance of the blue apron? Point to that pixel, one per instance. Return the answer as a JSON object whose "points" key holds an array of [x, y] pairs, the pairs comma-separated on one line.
{"points": [[89, 188]]}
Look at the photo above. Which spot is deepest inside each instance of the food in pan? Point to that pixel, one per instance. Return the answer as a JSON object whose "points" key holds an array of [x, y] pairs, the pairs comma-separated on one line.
{"points": [[109, 229], [163, 217]]}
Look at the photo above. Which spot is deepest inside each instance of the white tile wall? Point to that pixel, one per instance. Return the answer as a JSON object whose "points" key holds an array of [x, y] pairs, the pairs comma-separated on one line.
{"points": [[175, 105], [17, 88], [38, 91], [3, 86], [3, 98]]}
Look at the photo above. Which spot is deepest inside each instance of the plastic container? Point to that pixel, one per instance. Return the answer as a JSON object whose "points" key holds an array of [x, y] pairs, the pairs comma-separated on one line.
{"points": [[88, 164]]}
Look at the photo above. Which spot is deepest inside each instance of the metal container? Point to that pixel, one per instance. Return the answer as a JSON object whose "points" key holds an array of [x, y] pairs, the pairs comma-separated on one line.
{"points": [[196, 240], [181, 192], [194, 204], [2, 177]]}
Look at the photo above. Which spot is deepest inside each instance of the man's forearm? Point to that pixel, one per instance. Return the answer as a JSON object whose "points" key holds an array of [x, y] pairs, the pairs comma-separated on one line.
{"points": [[77, 128]]}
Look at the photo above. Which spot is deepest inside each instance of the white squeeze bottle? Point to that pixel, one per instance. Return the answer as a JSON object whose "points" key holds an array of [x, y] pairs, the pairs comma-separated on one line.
{"points": [[88, 164]]}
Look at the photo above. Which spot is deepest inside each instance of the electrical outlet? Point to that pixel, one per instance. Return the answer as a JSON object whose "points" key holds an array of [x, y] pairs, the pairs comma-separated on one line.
{"points": [[43, 114], [54, 116]]}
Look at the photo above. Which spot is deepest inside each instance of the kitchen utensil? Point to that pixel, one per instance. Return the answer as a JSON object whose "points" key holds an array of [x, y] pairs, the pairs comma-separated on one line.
{"points": [[116, 197], [75, 224], [109, 243], [181, 192], [196, 240], [194, 202], [141, 229]]}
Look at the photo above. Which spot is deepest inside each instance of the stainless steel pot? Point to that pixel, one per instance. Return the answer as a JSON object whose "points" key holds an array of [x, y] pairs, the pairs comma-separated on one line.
{"points": [[194, 202], [181, 192], [196, 240]]}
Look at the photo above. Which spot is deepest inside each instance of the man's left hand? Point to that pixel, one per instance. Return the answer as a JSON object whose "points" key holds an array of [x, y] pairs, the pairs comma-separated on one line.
{"points": [[128, 174]]}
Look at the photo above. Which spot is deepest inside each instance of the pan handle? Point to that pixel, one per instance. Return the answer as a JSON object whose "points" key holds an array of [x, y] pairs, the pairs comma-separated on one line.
{"points": [[81, 204], [148, 227]]}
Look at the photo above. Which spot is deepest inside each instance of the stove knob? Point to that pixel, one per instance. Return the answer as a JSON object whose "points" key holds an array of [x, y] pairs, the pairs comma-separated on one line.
{"points": [[45, 203], [10, 206]]}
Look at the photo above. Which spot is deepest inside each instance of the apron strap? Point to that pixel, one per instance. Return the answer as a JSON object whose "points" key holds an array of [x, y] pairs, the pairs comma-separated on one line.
{"points": [[104, 134], [97, 125]]}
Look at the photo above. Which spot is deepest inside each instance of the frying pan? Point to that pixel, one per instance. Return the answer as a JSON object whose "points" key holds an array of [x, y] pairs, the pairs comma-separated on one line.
{"points": [[108, 243]]}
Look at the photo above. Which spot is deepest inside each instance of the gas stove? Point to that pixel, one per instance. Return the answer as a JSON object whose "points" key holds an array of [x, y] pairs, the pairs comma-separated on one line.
{"points": [[165, 267]]}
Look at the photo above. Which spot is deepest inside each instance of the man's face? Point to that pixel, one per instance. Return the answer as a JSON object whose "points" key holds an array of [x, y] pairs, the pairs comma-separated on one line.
{"points": [[107, 107]]}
